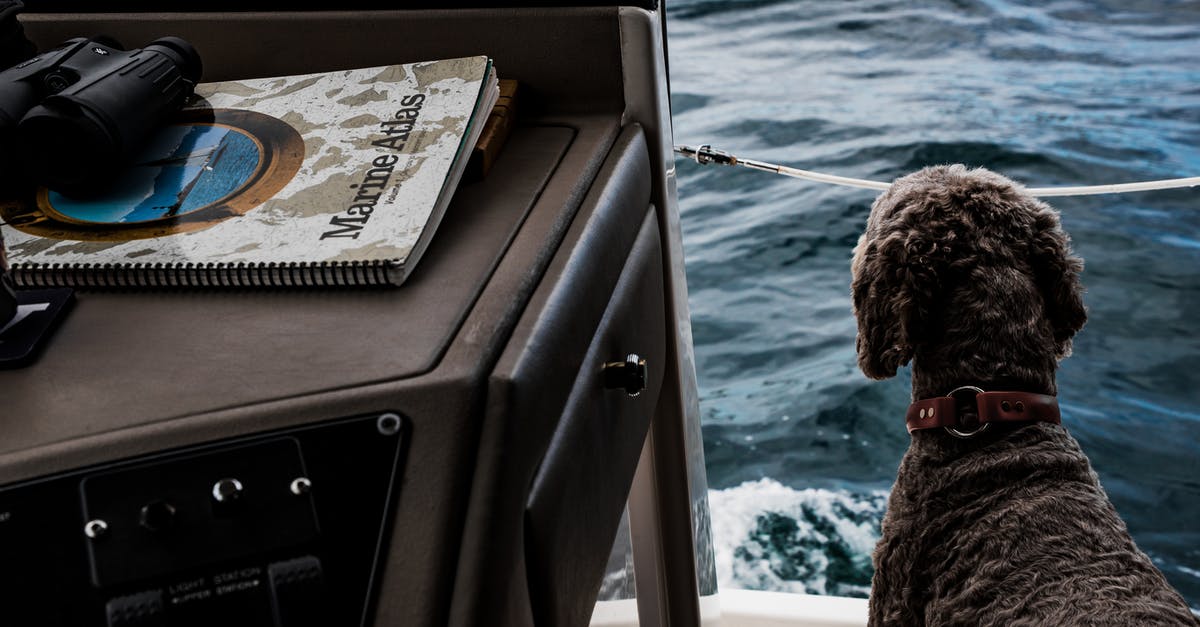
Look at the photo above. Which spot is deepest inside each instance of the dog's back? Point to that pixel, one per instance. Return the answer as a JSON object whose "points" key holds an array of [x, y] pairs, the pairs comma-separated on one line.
{"points": [[1011, 528]]}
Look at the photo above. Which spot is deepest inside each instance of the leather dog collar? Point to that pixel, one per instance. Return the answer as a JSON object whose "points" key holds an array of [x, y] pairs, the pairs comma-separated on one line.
{"points": [[989, 407]]}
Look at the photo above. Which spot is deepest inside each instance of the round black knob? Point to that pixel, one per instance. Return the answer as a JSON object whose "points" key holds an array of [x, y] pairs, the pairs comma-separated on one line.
{"points": [[629, 374], [157, 516]]}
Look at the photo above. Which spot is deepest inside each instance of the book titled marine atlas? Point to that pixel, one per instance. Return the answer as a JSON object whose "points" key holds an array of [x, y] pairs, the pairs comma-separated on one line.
{"points": [[336, 178]]}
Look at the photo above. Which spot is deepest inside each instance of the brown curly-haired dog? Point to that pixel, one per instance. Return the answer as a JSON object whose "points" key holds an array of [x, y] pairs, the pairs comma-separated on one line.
{"points": [[972, 279]]}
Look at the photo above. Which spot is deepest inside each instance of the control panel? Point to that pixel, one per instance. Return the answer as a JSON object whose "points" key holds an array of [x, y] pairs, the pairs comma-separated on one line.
{"points": [[277, 530]]}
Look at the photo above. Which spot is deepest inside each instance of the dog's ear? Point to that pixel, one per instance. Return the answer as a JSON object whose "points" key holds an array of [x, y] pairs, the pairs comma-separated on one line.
{"points": [[1057, 274], [894, 282]]}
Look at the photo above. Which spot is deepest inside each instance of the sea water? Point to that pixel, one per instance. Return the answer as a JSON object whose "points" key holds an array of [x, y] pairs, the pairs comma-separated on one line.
{"points": [[801, 448]]}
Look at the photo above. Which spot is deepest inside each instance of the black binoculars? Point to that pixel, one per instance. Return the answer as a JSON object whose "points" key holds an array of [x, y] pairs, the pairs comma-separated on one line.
{"points": [[71, 117], [8, 299]]}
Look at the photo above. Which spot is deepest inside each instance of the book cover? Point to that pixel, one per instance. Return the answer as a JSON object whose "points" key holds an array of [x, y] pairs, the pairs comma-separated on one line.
{"points": [[335, 178]]}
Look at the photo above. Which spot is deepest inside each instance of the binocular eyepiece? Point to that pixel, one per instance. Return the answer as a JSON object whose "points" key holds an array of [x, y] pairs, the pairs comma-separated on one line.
{"points": [[71, 117], [8, 299]]}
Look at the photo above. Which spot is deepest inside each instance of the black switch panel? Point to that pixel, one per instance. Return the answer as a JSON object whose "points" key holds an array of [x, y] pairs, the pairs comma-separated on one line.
{"points": [[168, 516], [223, 534]]}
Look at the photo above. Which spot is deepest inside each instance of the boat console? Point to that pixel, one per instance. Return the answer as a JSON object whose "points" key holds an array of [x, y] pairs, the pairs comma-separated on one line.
{"points": [[460, 450]]}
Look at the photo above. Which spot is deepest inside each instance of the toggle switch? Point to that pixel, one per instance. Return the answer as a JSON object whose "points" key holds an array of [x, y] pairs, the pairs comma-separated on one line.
{"points": [[144, 609], [227, 491], [298, 593], [227, 496]]}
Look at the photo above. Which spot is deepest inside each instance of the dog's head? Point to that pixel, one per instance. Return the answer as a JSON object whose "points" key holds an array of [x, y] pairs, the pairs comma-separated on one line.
{"points": [[942, 232]]}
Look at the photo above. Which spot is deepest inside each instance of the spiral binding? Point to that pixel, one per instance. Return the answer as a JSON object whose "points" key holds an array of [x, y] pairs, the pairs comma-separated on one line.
{"points": [[207, 275]]}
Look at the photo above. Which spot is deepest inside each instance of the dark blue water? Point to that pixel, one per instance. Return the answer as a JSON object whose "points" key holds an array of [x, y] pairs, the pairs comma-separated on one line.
{"points": [[801, 448]]}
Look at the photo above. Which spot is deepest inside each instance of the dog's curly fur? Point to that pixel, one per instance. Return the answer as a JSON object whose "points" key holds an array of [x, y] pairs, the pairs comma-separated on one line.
{"points": [[972, 279]]}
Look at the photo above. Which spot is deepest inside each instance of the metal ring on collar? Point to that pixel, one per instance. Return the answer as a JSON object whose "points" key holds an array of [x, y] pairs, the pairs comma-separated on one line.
{"points": [[958, 433]]}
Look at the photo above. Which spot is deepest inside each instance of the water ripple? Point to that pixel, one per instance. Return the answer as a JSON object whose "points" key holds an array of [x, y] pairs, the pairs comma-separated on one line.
{"points": [[1069, 92]]}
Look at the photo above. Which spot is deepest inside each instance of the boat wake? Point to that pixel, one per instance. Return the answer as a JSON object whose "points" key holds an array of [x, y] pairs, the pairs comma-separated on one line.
{"points": [[768, 536]]}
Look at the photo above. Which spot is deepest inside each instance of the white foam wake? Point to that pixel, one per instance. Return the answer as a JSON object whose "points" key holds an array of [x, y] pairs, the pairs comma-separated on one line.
{"points": [[768, 536]]}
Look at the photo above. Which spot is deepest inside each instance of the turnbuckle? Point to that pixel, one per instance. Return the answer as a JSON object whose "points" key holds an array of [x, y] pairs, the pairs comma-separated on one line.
{"points": [[705, 154]]}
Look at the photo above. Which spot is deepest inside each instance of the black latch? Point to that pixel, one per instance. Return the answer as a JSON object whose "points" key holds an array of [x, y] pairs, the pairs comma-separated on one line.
{"points": [[629, 374]]}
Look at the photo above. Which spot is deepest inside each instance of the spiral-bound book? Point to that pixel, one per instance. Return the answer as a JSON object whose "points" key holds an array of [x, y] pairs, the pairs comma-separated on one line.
{"points": [[336, 178]]}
